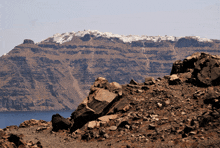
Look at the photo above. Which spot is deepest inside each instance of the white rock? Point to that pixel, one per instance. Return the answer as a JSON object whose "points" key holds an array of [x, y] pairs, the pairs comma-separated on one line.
{"points": [[107, 118], [159, 104], [92, 124], [173, 77], [116, 85]]}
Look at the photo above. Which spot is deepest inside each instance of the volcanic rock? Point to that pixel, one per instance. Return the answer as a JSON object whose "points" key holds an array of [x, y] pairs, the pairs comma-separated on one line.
{"points": [[149, 81], [174, 79], [92, 124], [100, 100], [204, 68], [133, 82], [33, 122], [113, 128], [59, 122], [11, 141]]}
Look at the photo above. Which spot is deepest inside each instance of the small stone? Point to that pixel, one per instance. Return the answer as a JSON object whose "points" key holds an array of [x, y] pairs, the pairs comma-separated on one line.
{"points": [[165, 118], [167, 102], [107, 118], [102, 123], [127, 126], [183, 113], [174, 79], [145, 118], [193, 133], [159, 105], [172, 113], [96, 136], [116, 85], [139, 91], [98, 124], [209, 106], [106, 136], [41, 129], [100, 79], [78, 131], [92, 124], [113, 128], [152, 126], [126, 108]]}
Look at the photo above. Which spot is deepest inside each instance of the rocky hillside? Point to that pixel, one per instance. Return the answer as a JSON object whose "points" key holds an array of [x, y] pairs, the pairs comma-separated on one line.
{"points": [[177, 110], [56, 74]]}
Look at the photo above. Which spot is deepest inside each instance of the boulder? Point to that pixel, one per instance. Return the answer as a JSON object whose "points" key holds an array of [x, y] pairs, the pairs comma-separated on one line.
{"points": [[177, 67], [113, 128], [149, 81], [204, 68], [102, 97], [121, 105], [133, 82], [92, 124], [212, 97], [174, 79], [185, 65], [116, 88], [207, 70], [11, 141], [59, 122]]}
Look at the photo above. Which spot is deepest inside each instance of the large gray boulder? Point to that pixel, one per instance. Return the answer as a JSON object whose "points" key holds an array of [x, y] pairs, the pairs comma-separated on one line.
{"points": [[101, 98]]}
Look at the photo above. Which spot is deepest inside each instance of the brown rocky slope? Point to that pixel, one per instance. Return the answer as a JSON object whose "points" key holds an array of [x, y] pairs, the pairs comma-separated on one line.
{"points": [[54, 76], [178, 110]]}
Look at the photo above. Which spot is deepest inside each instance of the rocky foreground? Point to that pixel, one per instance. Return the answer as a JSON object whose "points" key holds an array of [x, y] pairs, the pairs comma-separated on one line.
{"points": [[178, 110]]}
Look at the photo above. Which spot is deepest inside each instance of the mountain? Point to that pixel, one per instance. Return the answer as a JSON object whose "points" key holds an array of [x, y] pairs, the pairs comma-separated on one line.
{"points": [[56, 73]]}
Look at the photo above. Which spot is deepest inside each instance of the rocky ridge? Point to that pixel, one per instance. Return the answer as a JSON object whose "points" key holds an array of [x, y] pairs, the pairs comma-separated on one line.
{"points": [[178, 110], [54, 76], [68, 36]]}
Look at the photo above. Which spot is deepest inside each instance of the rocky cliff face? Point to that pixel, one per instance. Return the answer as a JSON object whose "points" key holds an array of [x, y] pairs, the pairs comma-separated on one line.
{"points": [[56, 74]]}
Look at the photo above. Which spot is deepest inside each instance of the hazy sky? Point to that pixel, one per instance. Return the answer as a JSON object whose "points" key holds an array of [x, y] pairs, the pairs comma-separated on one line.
{"points": [[39, 19]]}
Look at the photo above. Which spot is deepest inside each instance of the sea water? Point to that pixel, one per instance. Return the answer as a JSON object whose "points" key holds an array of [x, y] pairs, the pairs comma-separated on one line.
{"points": [[15, 118]]}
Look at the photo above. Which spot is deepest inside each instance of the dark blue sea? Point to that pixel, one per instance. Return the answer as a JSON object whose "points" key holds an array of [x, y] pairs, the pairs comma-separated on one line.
{"points": [[15, 118]]}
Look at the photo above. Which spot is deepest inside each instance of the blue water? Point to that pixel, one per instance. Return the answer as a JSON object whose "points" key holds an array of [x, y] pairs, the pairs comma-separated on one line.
{"points": [[15, 118]]}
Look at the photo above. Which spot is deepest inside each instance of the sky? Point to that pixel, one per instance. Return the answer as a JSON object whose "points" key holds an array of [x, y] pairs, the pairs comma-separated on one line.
{"points": [[40, 19]]}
